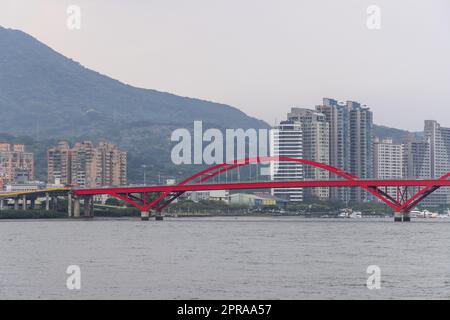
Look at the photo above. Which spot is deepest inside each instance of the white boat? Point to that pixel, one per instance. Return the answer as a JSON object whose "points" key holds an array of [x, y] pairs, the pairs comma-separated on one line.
{"points": [[344, 214], [415, 214], [356, 214], [426, 214]]}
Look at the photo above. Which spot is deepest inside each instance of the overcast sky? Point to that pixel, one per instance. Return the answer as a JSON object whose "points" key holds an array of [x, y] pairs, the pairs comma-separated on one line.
{"points": [[262, 56]]}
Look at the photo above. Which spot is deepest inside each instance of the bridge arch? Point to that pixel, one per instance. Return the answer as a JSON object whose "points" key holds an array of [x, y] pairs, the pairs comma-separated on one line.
{"points": [[160, 202]]}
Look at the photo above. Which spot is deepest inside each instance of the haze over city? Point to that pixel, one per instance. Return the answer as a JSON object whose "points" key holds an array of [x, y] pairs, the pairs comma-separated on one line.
{"points": [[260, 56]]}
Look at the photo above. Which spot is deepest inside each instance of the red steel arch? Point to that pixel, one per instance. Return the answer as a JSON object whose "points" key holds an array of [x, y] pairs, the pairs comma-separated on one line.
{"points": [[403, 203], [160, 202]]}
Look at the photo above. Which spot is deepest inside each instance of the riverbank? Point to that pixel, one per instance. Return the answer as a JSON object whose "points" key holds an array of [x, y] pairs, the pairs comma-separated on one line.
{"points": [[32, 214], [11, 214]]}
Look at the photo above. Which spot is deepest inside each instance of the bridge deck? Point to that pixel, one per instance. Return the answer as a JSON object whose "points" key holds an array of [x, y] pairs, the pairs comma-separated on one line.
{"points": [[35, 193], [264, 185]]}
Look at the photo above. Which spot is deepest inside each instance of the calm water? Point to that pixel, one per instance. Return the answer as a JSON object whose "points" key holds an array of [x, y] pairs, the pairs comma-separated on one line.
{"points": [[225, 258]]}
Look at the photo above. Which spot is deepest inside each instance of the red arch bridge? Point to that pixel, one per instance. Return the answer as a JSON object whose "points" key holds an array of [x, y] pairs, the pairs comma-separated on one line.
{"points": [[402, 203], [409, 193]]}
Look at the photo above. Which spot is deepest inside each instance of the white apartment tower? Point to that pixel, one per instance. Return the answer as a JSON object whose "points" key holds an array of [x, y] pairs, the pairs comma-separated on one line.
{"points": [[286, 140], [416, 159], [316, 144], [350, 127], [439, 139], [388, 162]]}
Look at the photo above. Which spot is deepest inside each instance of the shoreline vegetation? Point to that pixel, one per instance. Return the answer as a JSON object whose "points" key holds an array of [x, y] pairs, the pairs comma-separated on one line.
{"points": [[116, 209]]}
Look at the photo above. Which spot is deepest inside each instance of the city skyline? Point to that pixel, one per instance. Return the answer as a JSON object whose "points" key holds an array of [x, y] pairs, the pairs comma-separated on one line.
{"points": [[312, 67], [214, 153]]}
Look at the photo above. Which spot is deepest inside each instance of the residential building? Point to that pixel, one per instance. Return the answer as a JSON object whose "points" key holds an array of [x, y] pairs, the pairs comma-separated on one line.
{"points": [[16, 165], [417, 163], [350, 140], [286, 140], [85, 171], [316, 147], [416, 159], [86, 165], [388, 162], [111, 164], [59, 164], [439, 139]]}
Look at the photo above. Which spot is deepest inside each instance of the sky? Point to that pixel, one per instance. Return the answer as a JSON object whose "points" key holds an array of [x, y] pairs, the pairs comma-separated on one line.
{"points": [[261, 56]]}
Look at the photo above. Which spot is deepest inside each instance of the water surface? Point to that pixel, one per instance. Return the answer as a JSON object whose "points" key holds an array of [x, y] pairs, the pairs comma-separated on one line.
{"points": [[225, 258]]}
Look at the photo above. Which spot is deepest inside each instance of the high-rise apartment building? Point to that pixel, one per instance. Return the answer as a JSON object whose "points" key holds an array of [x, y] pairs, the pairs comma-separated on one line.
{"points": [[388, 162], [439, 139], [417, 163], [15, 163], [59, 164], [113, 164], [316, 147], [416, 159], [85, 165], [350, 127], [286, 140]]}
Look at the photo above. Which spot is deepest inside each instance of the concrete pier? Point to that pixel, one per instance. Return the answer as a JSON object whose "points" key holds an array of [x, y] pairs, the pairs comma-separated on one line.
{"points": [[402, 216], [76, 208], [47, 202], [54, 202], [69, 205], [1, 204], [34, 204], [89, 206], [16, 203], [145, 216], [24, 202]]}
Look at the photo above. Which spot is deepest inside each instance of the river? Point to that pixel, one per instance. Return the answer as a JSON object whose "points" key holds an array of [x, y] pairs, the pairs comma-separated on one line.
{"points": [[225, 258]]}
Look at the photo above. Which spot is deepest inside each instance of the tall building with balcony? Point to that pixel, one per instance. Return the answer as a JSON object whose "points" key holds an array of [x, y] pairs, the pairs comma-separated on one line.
{"points": [[316, 147], [286, 140], [59, 164], [439, 139], [86, 165], [388, 162], [417, 163], [112, 163], [15, 164], [416, 159], [350, 139]]}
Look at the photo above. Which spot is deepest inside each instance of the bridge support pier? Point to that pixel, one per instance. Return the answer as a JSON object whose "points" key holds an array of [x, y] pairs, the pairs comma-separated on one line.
{"points": [[76, 208], [47, 202], [402, 216], [55, 203], [16, 203], [24, 202], [158, 216], [89, 206], [69, 204], [1, 204], [144, 215], [33, 204]]}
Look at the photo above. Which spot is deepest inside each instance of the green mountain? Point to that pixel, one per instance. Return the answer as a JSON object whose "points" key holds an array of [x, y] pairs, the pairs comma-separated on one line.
{"points": [[46, 96], [397, 135]]}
